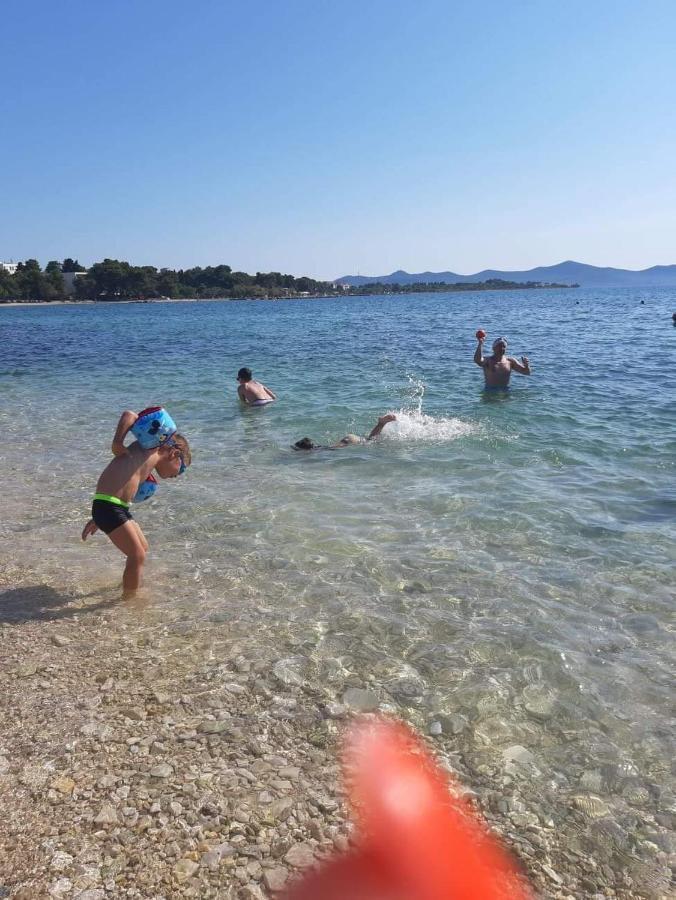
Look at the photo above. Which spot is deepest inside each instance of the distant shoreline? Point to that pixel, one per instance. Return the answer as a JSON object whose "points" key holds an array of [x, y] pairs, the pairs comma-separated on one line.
{"points": [[434, 288]]}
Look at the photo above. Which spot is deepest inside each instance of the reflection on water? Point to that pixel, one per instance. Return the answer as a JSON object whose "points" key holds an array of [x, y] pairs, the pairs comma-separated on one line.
{"points": [[502, 561]]}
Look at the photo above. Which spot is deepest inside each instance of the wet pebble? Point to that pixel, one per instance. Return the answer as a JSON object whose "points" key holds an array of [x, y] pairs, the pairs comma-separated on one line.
{"points": [[360, 700]]}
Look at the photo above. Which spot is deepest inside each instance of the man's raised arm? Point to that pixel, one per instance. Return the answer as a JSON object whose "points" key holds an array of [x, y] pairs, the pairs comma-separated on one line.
{"points": [[523, 367], [478, 353]]}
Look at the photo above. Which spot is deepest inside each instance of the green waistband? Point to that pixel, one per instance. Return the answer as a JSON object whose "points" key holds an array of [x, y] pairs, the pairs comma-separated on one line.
{"points": [[109, 499]]}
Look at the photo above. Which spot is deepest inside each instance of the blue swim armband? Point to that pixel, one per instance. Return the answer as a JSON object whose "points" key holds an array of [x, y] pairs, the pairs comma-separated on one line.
{"points": [[153, 427], [146, 489]]}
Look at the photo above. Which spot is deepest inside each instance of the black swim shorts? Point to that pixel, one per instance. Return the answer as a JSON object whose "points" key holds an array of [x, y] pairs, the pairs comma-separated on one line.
{"points": [[109, 516]]}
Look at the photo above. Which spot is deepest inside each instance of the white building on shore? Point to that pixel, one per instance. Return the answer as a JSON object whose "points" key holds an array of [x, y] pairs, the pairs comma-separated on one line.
{"points": [[8, 267]]}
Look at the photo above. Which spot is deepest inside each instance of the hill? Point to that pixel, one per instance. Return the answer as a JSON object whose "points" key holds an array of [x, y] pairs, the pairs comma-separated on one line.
{"points": [[568, 272]]}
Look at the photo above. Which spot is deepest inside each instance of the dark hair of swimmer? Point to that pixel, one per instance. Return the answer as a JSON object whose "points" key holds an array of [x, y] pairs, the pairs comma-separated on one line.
{"points": [[244, 374], [304, 444]]}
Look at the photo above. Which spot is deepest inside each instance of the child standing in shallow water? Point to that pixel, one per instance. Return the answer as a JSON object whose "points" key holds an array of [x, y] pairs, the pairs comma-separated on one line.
{"points": [[117, 487]]}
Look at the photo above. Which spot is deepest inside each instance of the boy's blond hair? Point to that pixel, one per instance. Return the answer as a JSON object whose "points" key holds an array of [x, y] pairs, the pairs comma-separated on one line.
{"points": [[181, 444]]}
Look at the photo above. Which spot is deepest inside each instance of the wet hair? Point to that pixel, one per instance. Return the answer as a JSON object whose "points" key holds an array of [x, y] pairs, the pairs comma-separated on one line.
{"points": [[182, 445], [499, 340], [304, 444], [244, 374]]}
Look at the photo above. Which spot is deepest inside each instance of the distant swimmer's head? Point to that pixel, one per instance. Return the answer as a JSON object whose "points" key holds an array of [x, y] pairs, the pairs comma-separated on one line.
{"points": [[304, 444], [350, 439], [499, 345], [244, 374]]}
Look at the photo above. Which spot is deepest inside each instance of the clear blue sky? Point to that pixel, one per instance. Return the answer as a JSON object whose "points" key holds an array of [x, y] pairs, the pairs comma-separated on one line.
{"points": [[327, 138]]}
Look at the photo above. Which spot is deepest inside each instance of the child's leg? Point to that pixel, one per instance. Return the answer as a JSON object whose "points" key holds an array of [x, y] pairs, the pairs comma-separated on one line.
{"points": [[141, 535], [131, 541]]}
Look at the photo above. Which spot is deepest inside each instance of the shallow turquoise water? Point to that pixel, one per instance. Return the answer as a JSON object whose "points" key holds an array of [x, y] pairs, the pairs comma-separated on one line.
{"points": [[511, 557]]}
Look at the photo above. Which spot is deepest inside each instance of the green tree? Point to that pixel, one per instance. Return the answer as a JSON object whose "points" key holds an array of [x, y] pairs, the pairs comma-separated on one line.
{"points": [[167, 284], [8, 287], [54, 277], [72, 265]]}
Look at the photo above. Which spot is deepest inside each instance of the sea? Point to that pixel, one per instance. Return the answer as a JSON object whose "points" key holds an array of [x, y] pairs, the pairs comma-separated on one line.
{"points": [[506, 559]]}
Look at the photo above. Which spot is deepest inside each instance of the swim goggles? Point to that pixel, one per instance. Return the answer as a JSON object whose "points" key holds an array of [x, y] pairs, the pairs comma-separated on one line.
{"points": [[170, 442]]}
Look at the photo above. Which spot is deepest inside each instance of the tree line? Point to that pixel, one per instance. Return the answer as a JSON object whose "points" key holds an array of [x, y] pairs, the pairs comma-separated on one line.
{"points": [[439, 287], [113, 279], [30, 282]]}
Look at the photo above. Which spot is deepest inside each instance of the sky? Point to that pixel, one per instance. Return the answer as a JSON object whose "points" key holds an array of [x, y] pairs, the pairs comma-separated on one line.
{"points": [[332, 138]]}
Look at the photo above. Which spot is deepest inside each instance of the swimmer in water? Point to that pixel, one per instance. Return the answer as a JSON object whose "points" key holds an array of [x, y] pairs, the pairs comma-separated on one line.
{"points": [[306, 444], [499, 367], [251, 392]]}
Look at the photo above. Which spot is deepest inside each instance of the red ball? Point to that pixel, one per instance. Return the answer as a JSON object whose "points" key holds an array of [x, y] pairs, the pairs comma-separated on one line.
{"points": [[481, 334]]}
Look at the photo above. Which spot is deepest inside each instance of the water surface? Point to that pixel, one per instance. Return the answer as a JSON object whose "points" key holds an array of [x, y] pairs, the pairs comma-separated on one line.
{"points": [[510, 558]]}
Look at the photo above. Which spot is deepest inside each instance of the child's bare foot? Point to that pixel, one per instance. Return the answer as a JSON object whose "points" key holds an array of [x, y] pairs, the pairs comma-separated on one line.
{"points": [[389, 417], [90, 528]]}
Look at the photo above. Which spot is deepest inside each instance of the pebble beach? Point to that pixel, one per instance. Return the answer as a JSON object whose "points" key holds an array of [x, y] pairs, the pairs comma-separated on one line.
{"points": [[141, 762]]}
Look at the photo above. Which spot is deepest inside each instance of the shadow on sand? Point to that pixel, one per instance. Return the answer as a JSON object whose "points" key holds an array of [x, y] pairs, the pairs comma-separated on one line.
{"points": [[41, 603]]}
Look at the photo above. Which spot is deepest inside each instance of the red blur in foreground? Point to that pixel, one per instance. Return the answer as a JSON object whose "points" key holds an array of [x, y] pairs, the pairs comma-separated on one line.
{"points": [[480, 335], [416, 841]]}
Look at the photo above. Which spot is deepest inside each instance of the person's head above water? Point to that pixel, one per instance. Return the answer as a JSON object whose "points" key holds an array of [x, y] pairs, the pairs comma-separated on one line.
{"points": [[244, 374], [304, 444], [500, 345], [307, 444]]}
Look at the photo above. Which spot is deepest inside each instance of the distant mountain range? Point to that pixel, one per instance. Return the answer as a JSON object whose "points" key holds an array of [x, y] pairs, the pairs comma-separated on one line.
{"points": [[568, 272]]}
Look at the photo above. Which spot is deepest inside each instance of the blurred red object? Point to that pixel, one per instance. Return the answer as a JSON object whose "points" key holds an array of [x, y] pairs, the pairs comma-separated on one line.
{"points": [[480, 335], [416, 840]]}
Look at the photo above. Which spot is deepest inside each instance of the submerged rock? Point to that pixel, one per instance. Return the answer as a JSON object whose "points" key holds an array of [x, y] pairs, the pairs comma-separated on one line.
{"points": [[360, 699], [591, 806], [518, 760], [291, 671], [539, 701]]}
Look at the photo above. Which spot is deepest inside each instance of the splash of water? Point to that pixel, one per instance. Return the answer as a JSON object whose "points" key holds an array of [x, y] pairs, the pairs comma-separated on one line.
{"points": [[416, 392], [416, 426]]}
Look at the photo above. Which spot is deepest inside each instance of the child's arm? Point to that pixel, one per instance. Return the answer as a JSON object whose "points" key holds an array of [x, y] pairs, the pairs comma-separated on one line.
{"points": [[127, 419], [90, 528], [382, 422]]}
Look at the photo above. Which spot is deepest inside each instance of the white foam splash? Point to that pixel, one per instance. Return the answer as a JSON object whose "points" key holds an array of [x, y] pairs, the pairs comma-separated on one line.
{"points": [[416, 426], [416, 392]]}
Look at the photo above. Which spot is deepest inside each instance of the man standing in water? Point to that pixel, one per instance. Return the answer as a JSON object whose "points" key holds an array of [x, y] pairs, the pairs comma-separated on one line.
{"points": [[498, 367]]}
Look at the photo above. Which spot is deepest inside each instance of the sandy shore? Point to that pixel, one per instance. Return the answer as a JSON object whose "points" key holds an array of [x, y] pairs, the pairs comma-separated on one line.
{"points": [[151, 761]]}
